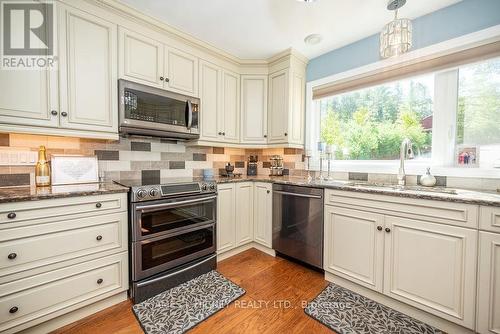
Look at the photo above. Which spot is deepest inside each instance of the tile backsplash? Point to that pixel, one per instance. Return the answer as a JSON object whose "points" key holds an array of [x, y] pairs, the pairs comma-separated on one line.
{"points": [[141, 157]]}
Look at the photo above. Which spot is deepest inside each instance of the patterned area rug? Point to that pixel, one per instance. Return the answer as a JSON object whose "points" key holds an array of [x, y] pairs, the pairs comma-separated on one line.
{"points": [[181, 308], [347, 312]]}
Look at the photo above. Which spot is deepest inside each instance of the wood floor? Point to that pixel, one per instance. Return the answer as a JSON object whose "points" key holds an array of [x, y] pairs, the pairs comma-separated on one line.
{"points": [[277, 290]]}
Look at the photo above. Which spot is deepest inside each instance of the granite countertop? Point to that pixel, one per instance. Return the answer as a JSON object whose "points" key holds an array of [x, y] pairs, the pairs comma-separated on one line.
{"points": [[478, 197], [19, 194]]}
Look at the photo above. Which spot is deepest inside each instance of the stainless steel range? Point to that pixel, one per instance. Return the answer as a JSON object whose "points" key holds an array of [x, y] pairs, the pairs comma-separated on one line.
{"points": [[172, 233]]}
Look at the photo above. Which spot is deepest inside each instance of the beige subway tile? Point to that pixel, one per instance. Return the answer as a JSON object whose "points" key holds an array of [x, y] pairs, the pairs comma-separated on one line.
{"points": [[463, 182], [28, 141], [63, 142]]}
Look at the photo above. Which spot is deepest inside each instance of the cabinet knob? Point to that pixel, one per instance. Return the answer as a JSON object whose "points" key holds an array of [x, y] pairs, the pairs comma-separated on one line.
{"points": [[223, 133], [286, 134], [13, 309], [99, 281], [12, 256], [162, 78], [220, 133], [388, 230], [167, 80], [379, 228], [98, 238], [11, 215], [53, 112], [269, 191], [98, 205], [265, 136], [64, 114]]}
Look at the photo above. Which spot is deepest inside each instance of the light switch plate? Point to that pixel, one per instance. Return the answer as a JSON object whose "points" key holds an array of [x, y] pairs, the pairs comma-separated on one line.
{"points": [[18, 158]]}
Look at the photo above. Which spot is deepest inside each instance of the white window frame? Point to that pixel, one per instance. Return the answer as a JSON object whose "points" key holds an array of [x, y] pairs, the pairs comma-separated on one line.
{"points": [[444, 116]]}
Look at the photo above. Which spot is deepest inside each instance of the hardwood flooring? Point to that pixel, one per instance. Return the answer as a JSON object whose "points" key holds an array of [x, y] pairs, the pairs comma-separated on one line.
{"points": [[277, 290]]}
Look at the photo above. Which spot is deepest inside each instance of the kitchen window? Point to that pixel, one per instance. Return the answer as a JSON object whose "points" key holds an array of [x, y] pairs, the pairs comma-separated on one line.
{"points": [[445, 113]]}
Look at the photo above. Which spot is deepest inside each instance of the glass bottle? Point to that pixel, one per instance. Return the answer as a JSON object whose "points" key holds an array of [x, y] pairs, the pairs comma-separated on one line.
{"points": [[42, 169]]}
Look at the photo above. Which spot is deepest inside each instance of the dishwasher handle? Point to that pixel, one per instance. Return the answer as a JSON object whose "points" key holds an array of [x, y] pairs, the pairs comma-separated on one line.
{"points": [[296, 194]]}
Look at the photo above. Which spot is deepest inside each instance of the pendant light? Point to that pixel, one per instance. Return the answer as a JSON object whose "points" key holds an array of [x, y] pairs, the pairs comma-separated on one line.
{"points": [[396, 36]]}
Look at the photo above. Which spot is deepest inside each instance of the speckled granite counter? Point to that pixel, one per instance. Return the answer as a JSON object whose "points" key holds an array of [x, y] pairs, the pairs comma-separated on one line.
{"points": [[18, 194], [478, 197]]}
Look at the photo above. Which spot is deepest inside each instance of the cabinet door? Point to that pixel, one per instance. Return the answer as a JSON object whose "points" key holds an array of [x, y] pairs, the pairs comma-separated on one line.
{"points": [[210, 96], [297, 110], [230, 112], [432, 267], [244, 213], [181, 72], [488, 299], [33, 109], [354, 246], [263, 224], [226, 217], [278, 107], [254, 109], [140, 58], [88, 72]]}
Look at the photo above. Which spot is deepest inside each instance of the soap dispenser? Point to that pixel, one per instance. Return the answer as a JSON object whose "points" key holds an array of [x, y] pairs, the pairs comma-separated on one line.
{"points": [[428, 180]]}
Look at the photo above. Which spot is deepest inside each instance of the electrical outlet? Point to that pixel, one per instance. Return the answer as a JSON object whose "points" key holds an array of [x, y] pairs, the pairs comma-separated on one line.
{"points": [[17, 158]]}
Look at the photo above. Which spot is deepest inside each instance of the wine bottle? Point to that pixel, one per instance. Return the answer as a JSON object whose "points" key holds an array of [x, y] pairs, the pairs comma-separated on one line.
{"points": [[42, 171]]}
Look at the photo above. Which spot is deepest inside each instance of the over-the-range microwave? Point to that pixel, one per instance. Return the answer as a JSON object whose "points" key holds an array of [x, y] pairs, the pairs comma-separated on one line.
{"points": [[150, 111]]}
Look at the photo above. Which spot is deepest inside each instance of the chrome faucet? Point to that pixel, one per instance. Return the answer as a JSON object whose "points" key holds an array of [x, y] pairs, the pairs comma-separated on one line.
{"points": [[405, 152]]}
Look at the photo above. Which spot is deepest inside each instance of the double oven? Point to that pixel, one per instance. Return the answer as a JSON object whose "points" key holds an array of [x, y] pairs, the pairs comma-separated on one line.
{"points": [[173, 239]]}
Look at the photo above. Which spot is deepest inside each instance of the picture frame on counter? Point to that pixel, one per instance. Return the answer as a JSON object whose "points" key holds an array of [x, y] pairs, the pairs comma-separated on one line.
{"points": [[74, 169], [467, 156]]}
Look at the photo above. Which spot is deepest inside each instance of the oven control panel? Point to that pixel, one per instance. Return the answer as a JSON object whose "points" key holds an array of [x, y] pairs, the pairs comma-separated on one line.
{"points": [[154, 192]]}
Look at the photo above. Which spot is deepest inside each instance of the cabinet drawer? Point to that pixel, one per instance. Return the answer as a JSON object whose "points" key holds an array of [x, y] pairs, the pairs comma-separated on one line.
{"points": [[30, 299], [459, 214], [40, 245], [489, 218], [30, 211]]}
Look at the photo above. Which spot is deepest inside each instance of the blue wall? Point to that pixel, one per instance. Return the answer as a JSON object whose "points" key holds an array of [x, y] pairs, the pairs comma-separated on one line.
{"points": [[447, 23]]}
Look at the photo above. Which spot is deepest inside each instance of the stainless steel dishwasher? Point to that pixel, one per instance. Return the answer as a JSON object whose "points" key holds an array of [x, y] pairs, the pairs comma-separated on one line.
{"points": [[298, 223]]}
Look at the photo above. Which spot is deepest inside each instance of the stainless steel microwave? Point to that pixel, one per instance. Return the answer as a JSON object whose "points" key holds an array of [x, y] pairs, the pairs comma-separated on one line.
{"points": [[156, 112]]}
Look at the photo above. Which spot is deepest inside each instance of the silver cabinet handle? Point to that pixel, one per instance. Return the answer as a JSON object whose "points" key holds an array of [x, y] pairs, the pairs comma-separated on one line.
{"points": [[296, 194]]}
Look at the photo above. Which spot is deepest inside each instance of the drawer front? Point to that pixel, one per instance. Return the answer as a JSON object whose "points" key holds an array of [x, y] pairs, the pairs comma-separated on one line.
{"points": [[37, 296], [39, 245], [31, 211], [489, 218], [458, 214]]}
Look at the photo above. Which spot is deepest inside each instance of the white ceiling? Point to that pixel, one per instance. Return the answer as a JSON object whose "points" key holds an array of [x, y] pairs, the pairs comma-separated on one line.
{"points": [[252, 29]]}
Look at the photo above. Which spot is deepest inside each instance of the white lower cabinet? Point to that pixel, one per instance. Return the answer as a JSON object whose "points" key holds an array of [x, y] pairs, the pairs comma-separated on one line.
{"points": [[244, 214], [425, 264], [60, 255], [226, 217], [347, 230], [432, 267], [488, 299], [263, 217]]}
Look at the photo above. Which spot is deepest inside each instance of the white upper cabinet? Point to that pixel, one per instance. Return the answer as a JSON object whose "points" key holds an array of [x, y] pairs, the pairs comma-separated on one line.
{"points": [[88, 72], [254, 109], [141, 58], [210, 96], [39, 107], [229, 117], [432, 267], [296, 116], [278, 107], [181, 72]]}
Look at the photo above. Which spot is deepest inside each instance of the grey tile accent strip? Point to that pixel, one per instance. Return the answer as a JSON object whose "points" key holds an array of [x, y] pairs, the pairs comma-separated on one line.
{"points": [[150, 176], [12, 180], [140, 146], [177, 165], [358, 176], [107, 155], [199, 157]]}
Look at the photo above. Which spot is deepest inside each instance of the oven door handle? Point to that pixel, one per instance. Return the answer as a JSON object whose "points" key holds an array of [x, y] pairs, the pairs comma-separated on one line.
{"points": [[189, 114], [296, 194], [155, 207]]}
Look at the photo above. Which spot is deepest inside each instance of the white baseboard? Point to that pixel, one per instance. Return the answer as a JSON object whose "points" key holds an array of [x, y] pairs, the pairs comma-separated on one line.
{"points": [[239, 249], [423, 316], [75, 315]]}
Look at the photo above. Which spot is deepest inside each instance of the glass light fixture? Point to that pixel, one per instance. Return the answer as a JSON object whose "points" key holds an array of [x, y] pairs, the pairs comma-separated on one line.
{"points": [[396, 36]]}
